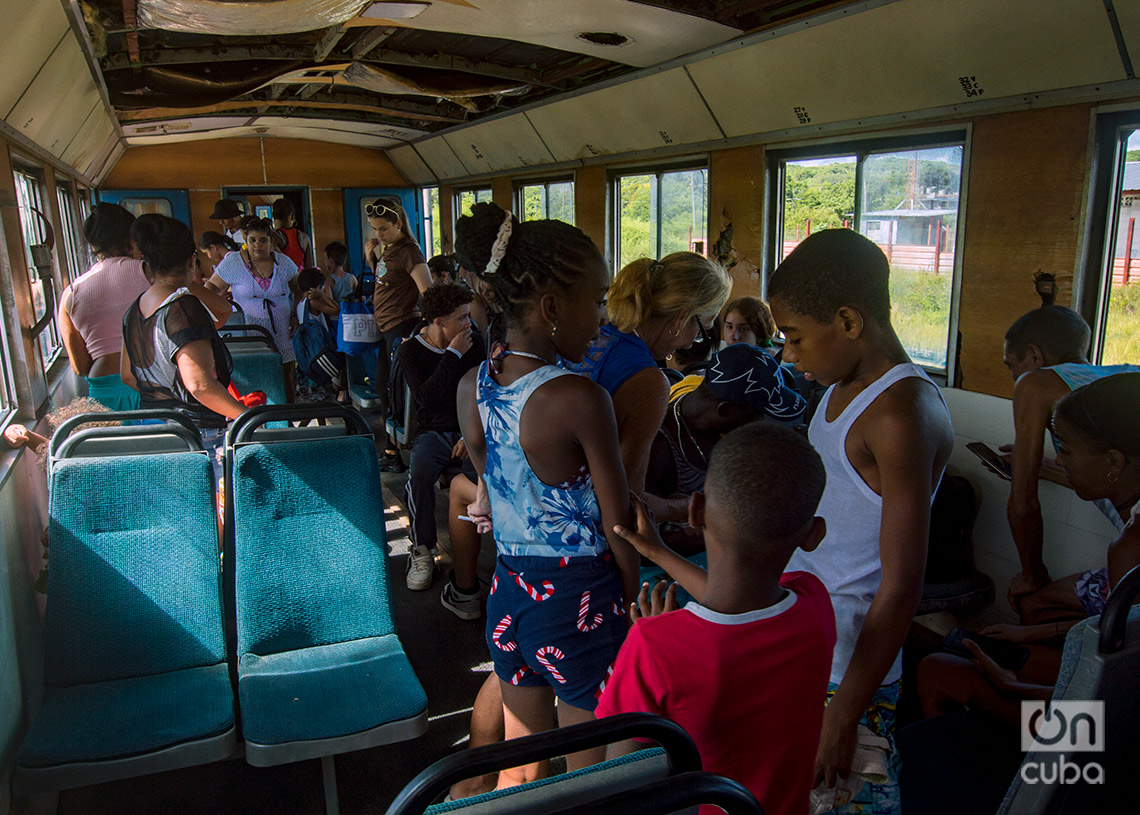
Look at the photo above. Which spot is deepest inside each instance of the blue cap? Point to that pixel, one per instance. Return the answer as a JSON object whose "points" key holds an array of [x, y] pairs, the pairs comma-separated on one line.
{"points": [[751, 377]]}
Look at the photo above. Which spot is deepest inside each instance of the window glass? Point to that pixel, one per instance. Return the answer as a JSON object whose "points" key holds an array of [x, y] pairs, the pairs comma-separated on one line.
{"points": [[161, 206], [552, 199], [33, 224], [906, 201], [1122, 291], [662, 212], [430, 201], [465, 199], [77, 250]]}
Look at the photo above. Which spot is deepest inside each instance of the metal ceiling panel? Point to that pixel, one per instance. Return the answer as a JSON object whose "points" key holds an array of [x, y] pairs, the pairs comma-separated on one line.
{"points": [[32, 30], [441, 158], [73, 148], [409, 163], [500, 144], [58, 100], [1128, 14], [653, 34], [98, 138], [654, 111], [106, 158], [908, 56]]}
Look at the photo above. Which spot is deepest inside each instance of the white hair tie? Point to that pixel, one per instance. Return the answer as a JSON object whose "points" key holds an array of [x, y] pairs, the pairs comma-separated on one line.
{"points": [[499, 247]]}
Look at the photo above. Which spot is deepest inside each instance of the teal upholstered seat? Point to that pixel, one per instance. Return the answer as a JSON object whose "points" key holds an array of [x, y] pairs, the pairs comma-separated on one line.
{"points": [[257, 368], [134, 660], [320, 668]]}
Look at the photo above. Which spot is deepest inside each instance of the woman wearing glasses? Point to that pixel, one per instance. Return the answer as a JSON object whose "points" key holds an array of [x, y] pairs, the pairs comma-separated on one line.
{"points": [[402, 275], [655, 307], [263, 283]]}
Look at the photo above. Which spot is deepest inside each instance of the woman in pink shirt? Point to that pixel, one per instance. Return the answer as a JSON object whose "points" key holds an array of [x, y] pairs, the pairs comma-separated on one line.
{"points": [[91, 309]]}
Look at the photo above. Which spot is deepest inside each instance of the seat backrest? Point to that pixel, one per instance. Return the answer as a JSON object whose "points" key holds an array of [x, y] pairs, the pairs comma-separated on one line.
{"points": [[133, 587], [258, 369], [310, 552]]}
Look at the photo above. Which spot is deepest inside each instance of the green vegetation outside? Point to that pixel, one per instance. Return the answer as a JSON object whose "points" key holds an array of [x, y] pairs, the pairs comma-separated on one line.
{"points": [[920, 314], [1122, 331]]}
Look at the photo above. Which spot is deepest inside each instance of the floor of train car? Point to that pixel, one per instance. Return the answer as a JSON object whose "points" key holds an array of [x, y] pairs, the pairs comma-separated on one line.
{"points": [[450, 658]]}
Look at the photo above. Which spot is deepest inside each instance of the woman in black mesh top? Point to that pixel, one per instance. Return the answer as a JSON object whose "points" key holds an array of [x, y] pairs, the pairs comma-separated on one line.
{"points": [[173, 355]]}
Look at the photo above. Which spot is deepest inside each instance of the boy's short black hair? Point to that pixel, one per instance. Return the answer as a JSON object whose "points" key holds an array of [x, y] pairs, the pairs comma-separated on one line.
{"points": [[310, 278], [337, 252], [831, 269], [444, 298], [283, 208], [768, 480], [1060, 333]]}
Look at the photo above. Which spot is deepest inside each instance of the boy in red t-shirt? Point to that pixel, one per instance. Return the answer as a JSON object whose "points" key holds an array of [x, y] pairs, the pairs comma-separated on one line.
{"points": [[742, 668]]}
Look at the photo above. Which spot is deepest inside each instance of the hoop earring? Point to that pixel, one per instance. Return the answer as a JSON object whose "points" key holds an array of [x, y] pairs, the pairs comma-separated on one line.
{"points": [[668, 357], [1112, 477]]}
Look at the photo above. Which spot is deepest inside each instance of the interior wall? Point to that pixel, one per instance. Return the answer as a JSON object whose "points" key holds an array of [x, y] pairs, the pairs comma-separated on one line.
{"points": [[325, 168], [1028, 174], [590, 203], [736, 199]]}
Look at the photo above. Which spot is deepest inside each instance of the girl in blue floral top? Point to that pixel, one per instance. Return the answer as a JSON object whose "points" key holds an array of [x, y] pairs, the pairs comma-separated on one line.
{"points": [[545, 443]]}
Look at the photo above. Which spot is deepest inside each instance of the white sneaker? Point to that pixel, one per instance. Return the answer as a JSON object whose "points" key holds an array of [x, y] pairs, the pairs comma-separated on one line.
{"points": [[421, 565]]}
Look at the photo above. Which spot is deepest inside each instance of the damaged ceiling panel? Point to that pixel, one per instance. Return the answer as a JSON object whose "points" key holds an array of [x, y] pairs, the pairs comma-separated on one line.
{"points": [[413, 67]]}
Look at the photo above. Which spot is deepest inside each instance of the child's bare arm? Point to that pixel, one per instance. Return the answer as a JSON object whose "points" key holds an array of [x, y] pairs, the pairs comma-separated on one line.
{"points": [[470, 425], [905, 452], [597, 432], [647, 541]]}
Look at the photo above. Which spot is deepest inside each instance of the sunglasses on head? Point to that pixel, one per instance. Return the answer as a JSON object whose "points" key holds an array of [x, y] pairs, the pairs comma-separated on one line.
{"points": [[378, 209]]}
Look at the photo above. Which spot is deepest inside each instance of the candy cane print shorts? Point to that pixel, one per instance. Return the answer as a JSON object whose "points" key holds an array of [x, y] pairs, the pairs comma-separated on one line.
{"points": [[556, 622]]}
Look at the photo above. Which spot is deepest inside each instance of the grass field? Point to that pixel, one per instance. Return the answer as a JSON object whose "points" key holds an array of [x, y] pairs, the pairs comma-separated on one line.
{"points": [[920, 313], [1122, 332]]}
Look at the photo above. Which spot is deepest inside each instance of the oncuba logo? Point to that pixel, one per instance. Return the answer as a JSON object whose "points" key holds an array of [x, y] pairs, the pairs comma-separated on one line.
{"points": [[1062, 727]]}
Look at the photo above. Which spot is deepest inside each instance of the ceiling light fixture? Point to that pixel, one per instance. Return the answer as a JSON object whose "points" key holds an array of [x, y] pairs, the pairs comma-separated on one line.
{"points": [[384, 10]]}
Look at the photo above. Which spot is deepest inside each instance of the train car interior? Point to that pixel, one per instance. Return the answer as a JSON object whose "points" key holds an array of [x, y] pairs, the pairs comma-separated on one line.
{"points": [[990, 150]]}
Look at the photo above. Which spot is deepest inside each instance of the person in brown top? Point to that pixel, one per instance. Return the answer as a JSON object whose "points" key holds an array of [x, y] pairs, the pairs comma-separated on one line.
{"points": [[401, 277]]}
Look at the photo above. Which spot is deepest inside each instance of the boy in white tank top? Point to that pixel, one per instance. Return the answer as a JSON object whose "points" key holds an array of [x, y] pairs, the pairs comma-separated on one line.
{"points": [[883, 431]]}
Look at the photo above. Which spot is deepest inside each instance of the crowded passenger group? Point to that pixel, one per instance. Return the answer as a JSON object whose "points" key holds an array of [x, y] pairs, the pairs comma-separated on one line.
{"points": [[775, 460]]}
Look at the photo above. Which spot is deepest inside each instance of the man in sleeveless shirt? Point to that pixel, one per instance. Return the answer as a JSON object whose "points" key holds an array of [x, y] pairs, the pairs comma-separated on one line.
{"points": [[1045, 350], [883, 431]]}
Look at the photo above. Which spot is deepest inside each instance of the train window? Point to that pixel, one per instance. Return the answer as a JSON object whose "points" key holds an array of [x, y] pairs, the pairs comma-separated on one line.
{"points": [[905, 199], [162, 206], [1116, 306], [546, 199], [34, 225], [429, 200], [78, 252], [661, 212], [464, 199]]}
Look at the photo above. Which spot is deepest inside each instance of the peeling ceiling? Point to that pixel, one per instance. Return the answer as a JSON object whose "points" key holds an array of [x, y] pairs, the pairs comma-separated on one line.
{"points": [[383, 73]]}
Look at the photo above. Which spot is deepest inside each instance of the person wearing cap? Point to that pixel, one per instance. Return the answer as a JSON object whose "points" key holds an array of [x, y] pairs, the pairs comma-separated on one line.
{"points": [[228, 212], [742, 384]]}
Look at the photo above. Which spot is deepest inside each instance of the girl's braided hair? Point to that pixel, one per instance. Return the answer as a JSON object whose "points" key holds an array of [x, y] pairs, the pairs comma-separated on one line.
{"points": [[539, 256]]}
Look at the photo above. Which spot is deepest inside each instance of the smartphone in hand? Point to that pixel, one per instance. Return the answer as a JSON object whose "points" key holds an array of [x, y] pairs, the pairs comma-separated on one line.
{"points": [[1006, 654], [992, 459]]}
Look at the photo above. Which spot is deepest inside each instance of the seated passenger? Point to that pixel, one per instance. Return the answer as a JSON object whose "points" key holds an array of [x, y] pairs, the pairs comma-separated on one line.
{"points": [[433, 362], [1100, 454], [442, 268], [1045, 351], [339, 283], [743, 384], [744, 667], [748, 320]]}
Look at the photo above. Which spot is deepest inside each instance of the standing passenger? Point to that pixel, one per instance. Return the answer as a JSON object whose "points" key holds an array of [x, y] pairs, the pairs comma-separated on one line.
{"points": [[883, 431], [216, 246], [298, 246], [339, 283], [401, 277], [529, 424], [91, 309], [263, 283], [228, 213]]}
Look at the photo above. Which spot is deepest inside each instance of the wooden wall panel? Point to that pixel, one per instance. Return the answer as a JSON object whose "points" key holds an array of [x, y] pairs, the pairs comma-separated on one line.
{"points": [[1023, 214], [736, 197], [590, 203], [503, 192], [328, 219], [447, 218], [14, 266]]}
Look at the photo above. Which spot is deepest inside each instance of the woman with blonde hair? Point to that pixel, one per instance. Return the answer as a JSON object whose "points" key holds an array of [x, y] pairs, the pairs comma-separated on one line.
{"points": [[655, 307]]}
